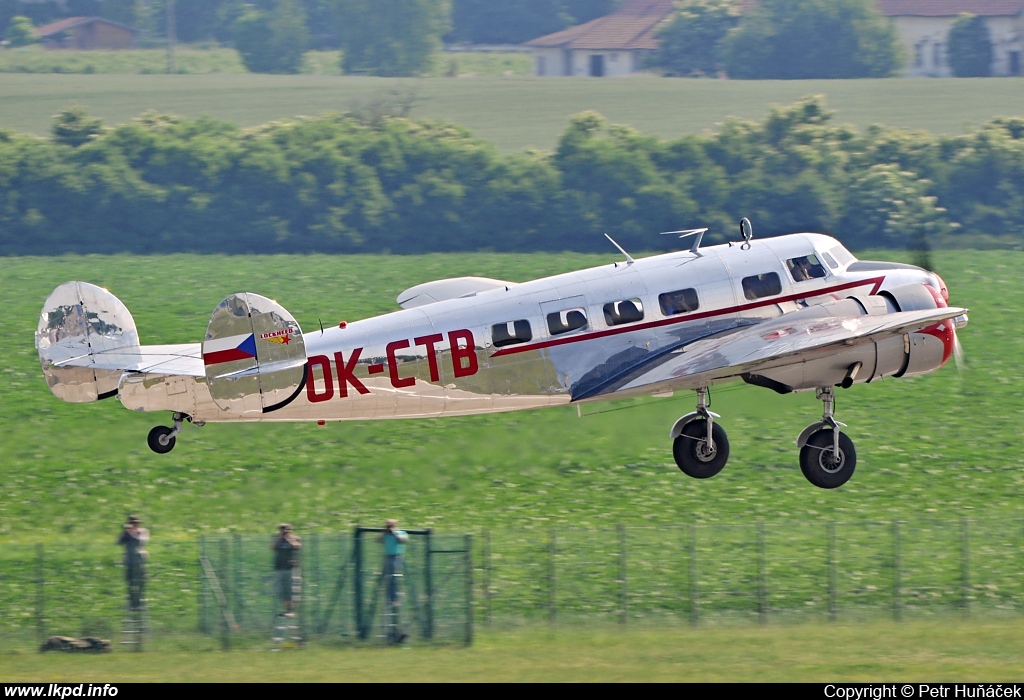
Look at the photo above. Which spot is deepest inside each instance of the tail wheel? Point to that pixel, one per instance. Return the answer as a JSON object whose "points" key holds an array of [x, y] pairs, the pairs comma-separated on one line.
{"points": [[160, 439], [822, 465], [694, 456]]}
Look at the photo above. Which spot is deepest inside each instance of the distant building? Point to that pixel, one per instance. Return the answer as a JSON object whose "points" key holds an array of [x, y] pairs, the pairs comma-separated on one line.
{"points": [[607, 46], [86, 33], [924, 28]]}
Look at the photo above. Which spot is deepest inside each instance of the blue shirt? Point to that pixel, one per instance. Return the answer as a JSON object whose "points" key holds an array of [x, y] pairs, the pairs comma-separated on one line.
{"points": [[392, 544]]}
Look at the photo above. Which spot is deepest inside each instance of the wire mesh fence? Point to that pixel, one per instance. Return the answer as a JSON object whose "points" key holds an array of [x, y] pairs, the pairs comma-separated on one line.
{"points": [[221, 590]]}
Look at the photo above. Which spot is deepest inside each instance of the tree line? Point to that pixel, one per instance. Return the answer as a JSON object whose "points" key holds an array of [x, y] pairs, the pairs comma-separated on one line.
{"points": [[348, 183]]}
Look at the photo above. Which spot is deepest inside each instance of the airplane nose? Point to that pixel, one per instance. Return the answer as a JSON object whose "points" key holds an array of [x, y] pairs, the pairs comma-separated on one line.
{"points": [[960, 321]]}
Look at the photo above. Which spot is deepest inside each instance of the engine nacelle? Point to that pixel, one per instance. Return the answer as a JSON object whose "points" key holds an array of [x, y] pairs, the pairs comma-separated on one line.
{"points": [[904, 355]]}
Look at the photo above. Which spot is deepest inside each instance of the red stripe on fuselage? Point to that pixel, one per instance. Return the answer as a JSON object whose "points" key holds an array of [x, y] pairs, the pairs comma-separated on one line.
{"points": [[876, 281]]}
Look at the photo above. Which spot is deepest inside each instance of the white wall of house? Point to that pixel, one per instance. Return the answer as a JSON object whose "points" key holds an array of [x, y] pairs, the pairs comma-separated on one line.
{"points": [[926, 40], [583, 63]]}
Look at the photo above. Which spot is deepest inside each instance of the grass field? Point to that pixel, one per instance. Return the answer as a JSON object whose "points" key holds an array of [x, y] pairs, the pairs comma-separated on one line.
{"points": [[941, 445], [933, 449], [514, 112], [921, 652]]}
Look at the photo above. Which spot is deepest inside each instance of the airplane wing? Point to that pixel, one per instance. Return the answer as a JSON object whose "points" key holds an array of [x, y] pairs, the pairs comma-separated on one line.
{"points": [[779, 342]]}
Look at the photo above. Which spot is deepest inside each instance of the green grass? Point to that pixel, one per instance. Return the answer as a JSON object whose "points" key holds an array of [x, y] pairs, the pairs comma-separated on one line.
{"points": [[189, 61], [921, 652], [932, 450], [939, 445], [512, 112]]}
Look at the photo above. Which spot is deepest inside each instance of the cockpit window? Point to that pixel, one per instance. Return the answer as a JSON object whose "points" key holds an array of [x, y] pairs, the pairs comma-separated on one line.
{"points": [[625, 311], [764, 285], [830, 261], [842, 255], [565, 321], [511, 333], [805, 268]]}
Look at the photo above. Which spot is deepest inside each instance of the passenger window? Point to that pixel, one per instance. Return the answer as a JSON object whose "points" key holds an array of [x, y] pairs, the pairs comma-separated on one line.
{"points": [[805, 268], [679, 302], [625, 311], [764, 285], [511, 333], [565, 321]]}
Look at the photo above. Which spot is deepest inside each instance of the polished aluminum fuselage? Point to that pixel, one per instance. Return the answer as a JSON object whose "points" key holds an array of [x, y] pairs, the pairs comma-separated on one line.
{"points": [[440, 359]]}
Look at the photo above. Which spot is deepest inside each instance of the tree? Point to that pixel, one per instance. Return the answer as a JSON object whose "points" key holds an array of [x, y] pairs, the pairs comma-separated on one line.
{"points": [[797, 39], [690, 42], [272, 41], [20, 32], [508, 22], [390, 37], [970, 47], [74, 127]]}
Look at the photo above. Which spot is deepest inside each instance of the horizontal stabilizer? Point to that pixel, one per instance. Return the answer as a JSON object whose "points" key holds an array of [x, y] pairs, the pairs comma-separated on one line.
{"points": [[79, 324]]}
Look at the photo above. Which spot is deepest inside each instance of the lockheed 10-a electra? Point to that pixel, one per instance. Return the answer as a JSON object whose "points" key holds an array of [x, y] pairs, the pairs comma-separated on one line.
{"points": [[792, 313]]}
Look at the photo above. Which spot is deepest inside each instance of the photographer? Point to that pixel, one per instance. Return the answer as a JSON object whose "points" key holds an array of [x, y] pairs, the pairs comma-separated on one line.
{"points": [[394, 549], [286, 548], [134, 539]]}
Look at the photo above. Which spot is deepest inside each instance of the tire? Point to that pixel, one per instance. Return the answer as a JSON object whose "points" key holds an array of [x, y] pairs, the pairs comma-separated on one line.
{"points": [[818, 464], [158, 440], [691, 453]]}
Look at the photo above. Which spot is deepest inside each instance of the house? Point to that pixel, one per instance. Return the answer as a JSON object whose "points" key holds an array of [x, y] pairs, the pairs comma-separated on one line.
{"points": [[924, 28], [86, 33], [607, 46]]}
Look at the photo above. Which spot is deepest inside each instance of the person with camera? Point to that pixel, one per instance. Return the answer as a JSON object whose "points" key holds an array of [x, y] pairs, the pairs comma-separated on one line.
{"points": [[286, 548], [394, 541], [134, 539]]}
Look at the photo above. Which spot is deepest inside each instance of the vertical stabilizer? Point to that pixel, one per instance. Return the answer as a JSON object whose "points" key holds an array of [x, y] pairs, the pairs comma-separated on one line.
{"points": [[78, 322]]}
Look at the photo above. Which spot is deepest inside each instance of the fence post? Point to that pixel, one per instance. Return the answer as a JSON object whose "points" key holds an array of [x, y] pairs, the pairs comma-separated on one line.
{"points": [[40, 593], [623, 587], [428, 575], [357, 588], [203, 627], [225, 639], [237, 541], [833, 579], [468, 636], [965, 567], [694, 592], [762, 584], [552, 599], [311, 584], [897, 574], [487, 575]]}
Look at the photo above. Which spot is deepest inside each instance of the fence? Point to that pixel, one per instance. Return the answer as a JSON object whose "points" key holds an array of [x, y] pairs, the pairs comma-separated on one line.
{"points": [[222, 586]]}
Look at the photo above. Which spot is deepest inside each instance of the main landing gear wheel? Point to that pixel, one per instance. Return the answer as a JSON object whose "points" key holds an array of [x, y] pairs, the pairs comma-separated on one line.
{"points": [[161, 439], [694, 455], [822, 465]]}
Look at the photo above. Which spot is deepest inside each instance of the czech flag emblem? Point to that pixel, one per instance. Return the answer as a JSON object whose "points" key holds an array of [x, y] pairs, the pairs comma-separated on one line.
{"points": [[230, 349]]}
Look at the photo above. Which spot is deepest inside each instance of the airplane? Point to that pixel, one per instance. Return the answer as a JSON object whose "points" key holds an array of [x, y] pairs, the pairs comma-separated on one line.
{"points": [[791, 313]]}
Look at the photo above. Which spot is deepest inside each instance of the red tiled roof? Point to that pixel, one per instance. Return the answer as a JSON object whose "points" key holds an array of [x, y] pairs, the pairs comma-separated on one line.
{"points": [[630, 27], [63, 25], [950, 8]]}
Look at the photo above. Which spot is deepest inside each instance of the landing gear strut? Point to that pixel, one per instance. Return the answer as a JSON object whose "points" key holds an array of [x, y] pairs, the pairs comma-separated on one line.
{"points": [[700, 447], [827, 455], [161, 438]]}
